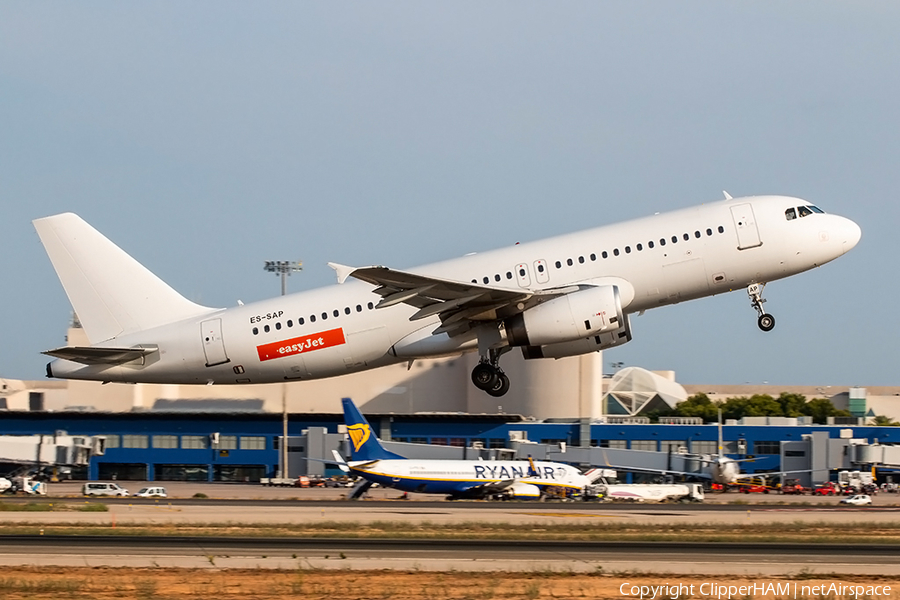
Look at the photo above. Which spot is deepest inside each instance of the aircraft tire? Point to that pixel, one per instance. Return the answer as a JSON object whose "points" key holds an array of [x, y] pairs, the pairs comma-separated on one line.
{"points": [[485, 376], [766, 322], [501, 387]]}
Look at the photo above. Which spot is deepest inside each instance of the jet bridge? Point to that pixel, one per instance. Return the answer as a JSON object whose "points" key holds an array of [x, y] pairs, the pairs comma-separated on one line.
{"points": [[59, 449]]}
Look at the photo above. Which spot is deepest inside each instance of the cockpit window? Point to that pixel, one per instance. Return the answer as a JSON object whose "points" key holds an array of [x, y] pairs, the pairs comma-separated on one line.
{"points": [[790, 214], [816, 209], [804, 211]]}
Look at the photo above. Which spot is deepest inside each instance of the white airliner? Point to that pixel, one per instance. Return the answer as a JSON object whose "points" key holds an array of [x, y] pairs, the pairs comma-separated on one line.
{"points": [[553, 298], [455, 478]]}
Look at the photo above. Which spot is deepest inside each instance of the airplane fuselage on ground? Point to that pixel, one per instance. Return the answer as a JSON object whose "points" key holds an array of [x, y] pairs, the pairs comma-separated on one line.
{"points": [[555, 297]]}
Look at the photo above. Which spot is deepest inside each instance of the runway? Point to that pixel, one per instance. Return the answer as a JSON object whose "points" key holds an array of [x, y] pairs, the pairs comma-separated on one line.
{"points": [[452, 555]]}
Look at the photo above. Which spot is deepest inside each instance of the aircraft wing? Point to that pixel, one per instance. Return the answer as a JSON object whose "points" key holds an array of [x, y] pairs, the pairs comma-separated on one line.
{"points": [[93, 355], [456, 302], [490, 487]]}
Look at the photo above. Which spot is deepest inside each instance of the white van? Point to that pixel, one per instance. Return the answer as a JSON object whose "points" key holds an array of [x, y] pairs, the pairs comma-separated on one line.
{"points": [[152, 492], [103, 489]]}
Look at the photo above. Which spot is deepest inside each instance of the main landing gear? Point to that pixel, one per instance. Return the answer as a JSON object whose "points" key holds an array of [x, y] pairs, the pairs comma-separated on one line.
{"points": [[488, 376], [766, 321]]}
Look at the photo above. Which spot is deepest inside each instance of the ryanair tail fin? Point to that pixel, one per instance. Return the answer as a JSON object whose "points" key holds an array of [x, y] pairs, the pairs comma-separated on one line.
{"points": [[111, 292], [364, 445]]}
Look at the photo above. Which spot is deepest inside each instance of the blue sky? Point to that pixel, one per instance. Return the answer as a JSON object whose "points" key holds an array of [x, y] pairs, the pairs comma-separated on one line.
{"points": [[208, 137]]}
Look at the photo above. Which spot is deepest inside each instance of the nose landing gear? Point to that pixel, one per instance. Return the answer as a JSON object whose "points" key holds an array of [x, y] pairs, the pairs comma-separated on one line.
{"points": [[766, 321], [488, 376]]}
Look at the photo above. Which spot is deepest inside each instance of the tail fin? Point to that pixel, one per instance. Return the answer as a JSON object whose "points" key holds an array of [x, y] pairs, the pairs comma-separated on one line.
{"points": [[363, 443], [111, 292]]}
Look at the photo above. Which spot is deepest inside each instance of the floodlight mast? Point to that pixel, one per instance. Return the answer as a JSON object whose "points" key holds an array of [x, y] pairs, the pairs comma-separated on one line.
{"points": [[283, 268]]}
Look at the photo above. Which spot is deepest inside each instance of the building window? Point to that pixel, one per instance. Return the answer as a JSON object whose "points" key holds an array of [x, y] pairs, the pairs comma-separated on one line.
{"points": [[227, 442], [671, 445], [704, 446], [436, 441], [165, 441], [418, 440], [134, 441], [767, 447], [112, 441], [253, 442], [643, 445], [458, 442], [194, 442], [497, 443], [794, 453], [623, 444]]}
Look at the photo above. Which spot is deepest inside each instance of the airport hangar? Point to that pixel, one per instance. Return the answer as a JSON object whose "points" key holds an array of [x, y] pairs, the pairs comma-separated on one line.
{"points": [[563, 410]]}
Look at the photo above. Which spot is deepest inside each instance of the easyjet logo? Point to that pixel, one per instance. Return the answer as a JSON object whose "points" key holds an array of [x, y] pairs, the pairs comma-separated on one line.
{"points": [[359, 434], [299, 345]]}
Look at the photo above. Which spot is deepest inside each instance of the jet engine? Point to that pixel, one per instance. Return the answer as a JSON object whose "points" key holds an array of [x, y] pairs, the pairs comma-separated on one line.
{"points": [[602, 341], [591, 311], [521, 489]]}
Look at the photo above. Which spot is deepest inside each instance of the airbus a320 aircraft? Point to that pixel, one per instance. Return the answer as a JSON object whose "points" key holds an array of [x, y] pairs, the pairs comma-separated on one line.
{"points": [[552, 298]]}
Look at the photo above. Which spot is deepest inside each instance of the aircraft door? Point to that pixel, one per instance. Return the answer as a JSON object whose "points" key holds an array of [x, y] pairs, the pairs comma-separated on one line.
{"points": [[213, 344], [745, 225], [541, 271], [523, 277]]}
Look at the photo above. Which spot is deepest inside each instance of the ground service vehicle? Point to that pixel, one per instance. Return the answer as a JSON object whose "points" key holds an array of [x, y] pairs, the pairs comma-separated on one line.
{"points": [[152, 492], [857, 500]]}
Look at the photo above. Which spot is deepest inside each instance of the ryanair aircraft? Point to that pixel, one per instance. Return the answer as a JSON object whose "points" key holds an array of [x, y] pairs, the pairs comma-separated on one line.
{"points": [[454, 478], [552, 298]]}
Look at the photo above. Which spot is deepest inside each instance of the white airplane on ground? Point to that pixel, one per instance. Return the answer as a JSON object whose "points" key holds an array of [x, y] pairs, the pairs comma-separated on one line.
{"points": [[455, 478], [553, 298]]}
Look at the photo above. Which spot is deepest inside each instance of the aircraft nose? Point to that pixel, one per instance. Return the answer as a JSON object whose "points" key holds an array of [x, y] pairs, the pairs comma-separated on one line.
{"points": [[850, 234]]}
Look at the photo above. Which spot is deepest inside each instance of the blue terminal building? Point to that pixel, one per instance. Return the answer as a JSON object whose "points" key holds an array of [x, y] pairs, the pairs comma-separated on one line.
{"points": [[244, 446]]}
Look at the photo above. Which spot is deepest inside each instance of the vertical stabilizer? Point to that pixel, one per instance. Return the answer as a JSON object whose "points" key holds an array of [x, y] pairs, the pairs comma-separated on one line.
{"points": [[364, 445], [111, 292]]}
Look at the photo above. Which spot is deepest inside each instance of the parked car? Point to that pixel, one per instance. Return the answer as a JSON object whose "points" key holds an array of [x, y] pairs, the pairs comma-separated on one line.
{"points": [[857, 500], [103, 489], [152, 492]]}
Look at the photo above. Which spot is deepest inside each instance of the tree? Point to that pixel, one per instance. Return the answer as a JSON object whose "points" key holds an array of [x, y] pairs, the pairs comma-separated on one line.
{"points": [[698, 405], [822, 408], [883, 421]]}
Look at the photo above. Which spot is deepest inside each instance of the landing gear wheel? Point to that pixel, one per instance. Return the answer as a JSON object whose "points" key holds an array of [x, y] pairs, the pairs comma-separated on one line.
{"points": [[766, 322], [501, 387], [485, 376]]}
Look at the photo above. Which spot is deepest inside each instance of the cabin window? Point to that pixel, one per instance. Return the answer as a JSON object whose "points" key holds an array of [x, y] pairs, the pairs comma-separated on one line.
{"points": [[346, 310], [290, 323], [697, 234], [686, 237], [569, 262], [674, 239], [312, 318], [370, 305], [721, 229], [266, 329], [709, 232], [485, 279], [497, 277], [662, 241], [359, 307], [540, 267], [324, 316], [558, 265], [521, 272], [336, 312], [649, 244], [604, 254], [300, 321], [509, 274], [627, 249], [581, 260], [593, 257], [256, 331], [640, 247], [615, 251], [278, 326]]}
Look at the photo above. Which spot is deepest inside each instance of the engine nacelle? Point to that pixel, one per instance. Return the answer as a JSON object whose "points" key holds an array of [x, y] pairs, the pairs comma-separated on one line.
{"points": [[520, 489], [590, 311], [602, 341]]}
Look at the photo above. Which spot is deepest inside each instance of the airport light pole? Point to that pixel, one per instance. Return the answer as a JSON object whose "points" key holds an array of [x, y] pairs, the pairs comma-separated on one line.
{"points": [[283, 268]]}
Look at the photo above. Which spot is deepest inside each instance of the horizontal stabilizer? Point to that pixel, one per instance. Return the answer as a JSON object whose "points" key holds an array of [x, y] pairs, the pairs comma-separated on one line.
{"points": [[92, 355]]}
